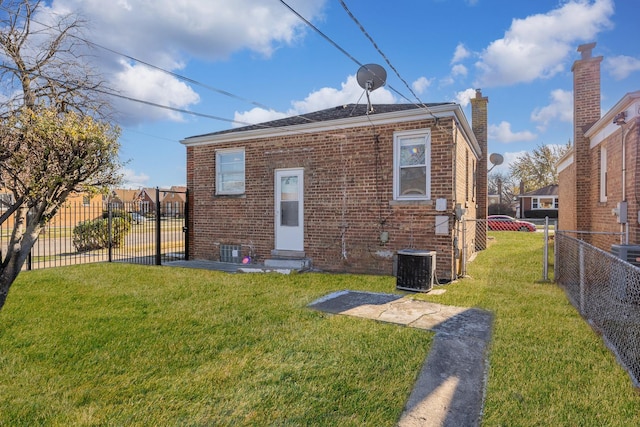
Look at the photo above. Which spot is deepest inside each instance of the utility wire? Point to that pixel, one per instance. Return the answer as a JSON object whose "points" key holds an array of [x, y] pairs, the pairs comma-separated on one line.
{"points": [[336, 45], [375, 45], [171, 73]]}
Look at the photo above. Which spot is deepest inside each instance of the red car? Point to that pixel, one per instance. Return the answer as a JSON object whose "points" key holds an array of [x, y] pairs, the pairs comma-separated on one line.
{"points": [[508, 223]]}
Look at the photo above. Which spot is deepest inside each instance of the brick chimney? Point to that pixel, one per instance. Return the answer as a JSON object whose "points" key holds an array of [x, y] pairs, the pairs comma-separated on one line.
{"points": [[586, 111], [479, 126]]}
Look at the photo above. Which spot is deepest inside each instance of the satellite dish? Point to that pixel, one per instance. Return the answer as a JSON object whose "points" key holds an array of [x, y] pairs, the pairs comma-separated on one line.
{"points": [[371, 76], [496, 160]]}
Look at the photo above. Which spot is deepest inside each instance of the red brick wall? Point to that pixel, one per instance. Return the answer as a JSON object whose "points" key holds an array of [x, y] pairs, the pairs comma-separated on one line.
{"points": [[348, 178], [566, 198], [586, 111]]}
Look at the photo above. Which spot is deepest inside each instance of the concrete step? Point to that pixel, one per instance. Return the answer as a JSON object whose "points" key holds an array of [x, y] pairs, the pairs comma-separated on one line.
{"points": [[288, 263]]}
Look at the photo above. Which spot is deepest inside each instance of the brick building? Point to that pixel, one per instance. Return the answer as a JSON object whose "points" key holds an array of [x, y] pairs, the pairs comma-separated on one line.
{"points": [[598, 178], [343, 188]]}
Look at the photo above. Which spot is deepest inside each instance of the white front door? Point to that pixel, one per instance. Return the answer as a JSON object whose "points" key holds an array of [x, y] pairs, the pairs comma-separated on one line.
{"points": [[289, 209]]}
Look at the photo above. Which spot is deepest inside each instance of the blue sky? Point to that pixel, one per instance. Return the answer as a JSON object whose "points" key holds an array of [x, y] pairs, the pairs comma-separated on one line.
{"points": [[519, 52]]}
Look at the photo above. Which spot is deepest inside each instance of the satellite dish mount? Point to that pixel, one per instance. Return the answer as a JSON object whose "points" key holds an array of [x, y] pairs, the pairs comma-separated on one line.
{"points": [[370, 77]]}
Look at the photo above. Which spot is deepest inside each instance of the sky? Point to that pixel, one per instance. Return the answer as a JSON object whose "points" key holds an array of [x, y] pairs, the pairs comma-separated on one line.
{"points": [[198, 66]]}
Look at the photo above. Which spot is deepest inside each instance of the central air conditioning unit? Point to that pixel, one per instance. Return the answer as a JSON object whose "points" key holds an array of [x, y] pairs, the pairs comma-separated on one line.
{"points": [[416, 270], [629, 253]]}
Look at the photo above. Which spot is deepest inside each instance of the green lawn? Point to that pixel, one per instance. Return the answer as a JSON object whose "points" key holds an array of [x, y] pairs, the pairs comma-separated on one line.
{"points": [[547, 366], [113, 344]]}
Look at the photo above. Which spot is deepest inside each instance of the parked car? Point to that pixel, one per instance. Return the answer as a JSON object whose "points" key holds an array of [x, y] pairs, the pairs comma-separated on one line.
{"points": [[508, 223], [136, 218]]}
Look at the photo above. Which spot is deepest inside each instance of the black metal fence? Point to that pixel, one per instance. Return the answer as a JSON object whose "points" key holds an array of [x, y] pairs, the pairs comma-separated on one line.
{"points": [[109, 231]]}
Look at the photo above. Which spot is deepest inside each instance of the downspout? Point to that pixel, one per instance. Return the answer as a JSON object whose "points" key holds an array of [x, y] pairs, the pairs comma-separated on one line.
{"points": [[624, 183], [620, 120], [624, 173], [458, 269]]}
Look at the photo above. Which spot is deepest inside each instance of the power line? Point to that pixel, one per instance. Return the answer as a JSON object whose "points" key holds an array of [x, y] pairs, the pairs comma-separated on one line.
{"points": [[337, 46], [375, 45]]}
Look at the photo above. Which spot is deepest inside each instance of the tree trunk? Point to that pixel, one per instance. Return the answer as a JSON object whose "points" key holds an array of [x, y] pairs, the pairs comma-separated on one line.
{"points": [[22, 240]]}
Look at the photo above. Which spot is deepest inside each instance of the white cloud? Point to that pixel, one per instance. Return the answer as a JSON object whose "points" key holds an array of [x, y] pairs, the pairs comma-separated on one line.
{"points": [[537, 46], [458, 70], [509, 159], [133, 180], [463, 98], [460, 53], [257, 115], [140, 82], [327, 97], [421, 85], [561, 108], [208, 29], [169, 34], [503, 133], [621, 66]]}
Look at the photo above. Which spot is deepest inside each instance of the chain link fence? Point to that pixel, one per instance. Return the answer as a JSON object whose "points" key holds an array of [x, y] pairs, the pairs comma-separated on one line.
{"points": [[606, 291]]}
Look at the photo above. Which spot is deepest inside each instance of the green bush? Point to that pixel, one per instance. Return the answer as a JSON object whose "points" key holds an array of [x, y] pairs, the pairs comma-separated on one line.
{"points": [[94, 234]]}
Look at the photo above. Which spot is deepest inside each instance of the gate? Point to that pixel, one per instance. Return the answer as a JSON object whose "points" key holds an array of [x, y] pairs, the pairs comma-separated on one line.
{"points": [[140, 231]]}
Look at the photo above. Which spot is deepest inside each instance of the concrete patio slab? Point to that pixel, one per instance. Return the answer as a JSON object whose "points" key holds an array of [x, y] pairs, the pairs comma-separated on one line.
{"points": [[450, 388]]}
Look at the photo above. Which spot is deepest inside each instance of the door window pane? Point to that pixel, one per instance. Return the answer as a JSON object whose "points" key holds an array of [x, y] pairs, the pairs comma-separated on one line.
{"points": [[289, 201]]}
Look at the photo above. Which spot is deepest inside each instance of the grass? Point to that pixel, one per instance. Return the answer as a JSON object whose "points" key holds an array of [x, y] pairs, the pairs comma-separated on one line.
{"points": [[547, 366], [112, 344]]}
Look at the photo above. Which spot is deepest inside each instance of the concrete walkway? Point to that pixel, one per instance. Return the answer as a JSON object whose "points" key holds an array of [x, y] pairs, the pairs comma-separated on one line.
{"points": [[450, 388]]}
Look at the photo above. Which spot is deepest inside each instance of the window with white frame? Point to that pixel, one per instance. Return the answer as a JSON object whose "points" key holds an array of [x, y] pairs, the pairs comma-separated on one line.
{"points": [[544, 203], [230, 177], [603, 174], [412, 165]]}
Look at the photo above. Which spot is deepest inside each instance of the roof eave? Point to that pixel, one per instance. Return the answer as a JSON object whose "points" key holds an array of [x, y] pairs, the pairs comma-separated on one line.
{"points": [[439, 111]]}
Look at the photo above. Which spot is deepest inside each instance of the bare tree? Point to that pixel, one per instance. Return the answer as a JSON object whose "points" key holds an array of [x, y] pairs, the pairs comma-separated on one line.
{"points": [[506, 188], [55, 140], [538, 168]]}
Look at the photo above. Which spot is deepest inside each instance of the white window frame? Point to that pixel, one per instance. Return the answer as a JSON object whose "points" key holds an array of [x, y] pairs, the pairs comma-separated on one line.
{"points": [[220, 190], [398, 139], [603, 174], [535, 202]]}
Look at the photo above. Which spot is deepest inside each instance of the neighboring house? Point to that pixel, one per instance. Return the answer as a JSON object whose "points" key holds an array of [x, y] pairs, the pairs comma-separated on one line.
{"points": [[540, 203], [173, 201], [342, 188], [121, 199], [146, 200], [599, 177]]}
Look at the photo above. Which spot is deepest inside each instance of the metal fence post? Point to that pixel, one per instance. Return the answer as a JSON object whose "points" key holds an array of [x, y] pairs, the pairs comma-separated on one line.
{"points": [[185, 229], [555, 251], [110, 231], [545, 250], [158, 229], [463, 254], [582, 277]]}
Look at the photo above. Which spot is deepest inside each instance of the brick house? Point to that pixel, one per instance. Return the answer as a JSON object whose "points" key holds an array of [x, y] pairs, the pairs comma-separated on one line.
{"points": [[342, 188], [598, 177], [540, 203], [172, 201], [146, 201]]}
